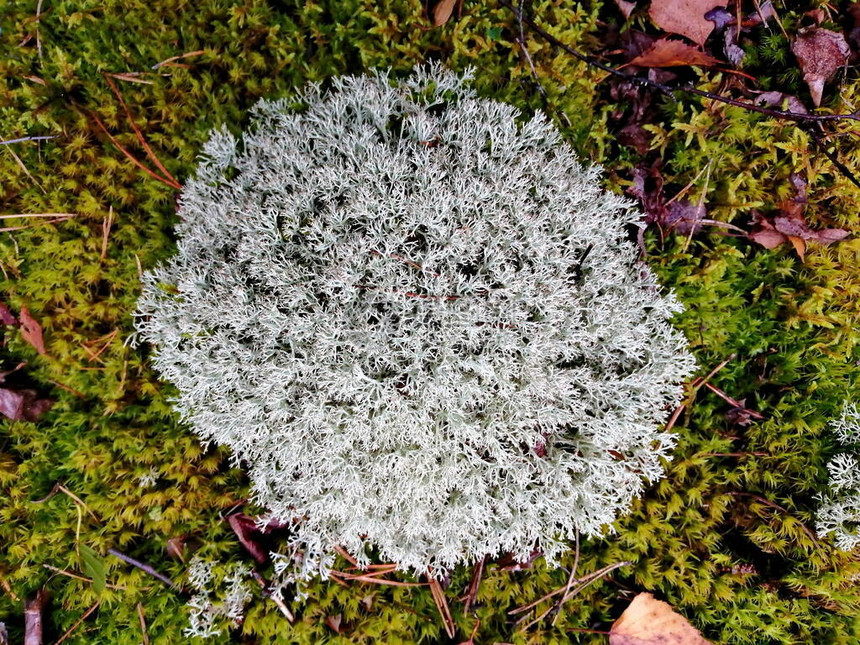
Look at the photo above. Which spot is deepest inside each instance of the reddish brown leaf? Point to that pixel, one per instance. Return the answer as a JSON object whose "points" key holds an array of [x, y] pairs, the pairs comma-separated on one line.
{"points": [[648, 621], [31, 331], [22, 405], [685, 17], [6, 315], [820, 53], [673, 53], [250, 536]]}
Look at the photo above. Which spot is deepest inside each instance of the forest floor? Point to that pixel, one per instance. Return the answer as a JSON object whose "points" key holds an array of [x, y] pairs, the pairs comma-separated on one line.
{"points": [[734, 127]]}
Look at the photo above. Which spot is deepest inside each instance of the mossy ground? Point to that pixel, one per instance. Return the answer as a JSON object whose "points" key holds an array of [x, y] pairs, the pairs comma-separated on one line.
{"points": [[741, 569]]}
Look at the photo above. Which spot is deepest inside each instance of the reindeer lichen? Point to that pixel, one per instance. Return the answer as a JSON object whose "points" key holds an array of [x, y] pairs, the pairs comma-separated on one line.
{"points": [[419, 322]]}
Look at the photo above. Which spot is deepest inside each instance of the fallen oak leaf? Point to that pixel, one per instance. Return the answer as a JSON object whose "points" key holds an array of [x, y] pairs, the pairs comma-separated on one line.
{"points": [[648, 621], [31, 331], [442, 11], [820, 53], [673, 53], [685, 17]]}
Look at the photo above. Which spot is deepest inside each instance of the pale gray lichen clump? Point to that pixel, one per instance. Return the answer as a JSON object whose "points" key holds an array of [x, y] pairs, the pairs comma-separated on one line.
{"points": [[839, 513], [418, 322]]}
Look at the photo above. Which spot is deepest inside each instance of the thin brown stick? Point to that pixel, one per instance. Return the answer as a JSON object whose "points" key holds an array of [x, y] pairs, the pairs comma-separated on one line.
{"points": [[131, 77], [822, 145], [551, 594], [341, 576], [732, 401], [345, 555], [25, 215], [167, 61], [9, 229], [279, 602], [733, 454], [144, 567], [442, 606], [138, 133], [570, 580], [597, 575], [144, 634], [69, 574], [521, 41], [78, 622]]}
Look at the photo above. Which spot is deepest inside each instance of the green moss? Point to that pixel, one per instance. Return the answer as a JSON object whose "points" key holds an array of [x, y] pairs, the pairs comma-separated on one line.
{"points": [[743, 570]]}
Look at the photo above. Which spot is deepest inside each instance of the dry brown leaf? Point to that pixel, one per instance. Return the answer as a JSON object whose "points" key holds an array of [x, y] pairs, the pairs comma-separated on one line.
{"points": [[648, 621], [799, 245], [22, 405], [673, 53], [31, 331], [442, 11], [334, 623], [685, 17], [769, 238], [820, 53], [250, 536]]}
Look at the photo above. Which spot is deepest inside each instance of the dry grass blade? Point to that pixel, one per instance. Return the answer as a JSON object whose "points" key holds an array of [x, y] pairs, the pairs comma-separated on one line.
{"points": [[586, 581], [343, 577], [131, 157], [472, 592], [138, 133], [144, 634], [167, 61], [442, 606], [78, 622]]}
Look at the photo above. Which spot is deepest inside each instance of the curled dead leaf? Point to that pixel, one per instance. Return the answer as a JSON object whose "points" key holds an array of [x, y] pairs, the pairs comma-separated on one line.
{"points": [[820, 53], [648, 621], [250, 536]]}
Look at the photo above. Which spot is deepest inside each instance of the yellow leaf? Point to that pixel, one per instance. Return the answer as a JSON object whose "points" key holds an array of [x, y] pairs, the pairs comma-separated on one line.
{"points": [[648, 621]]}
